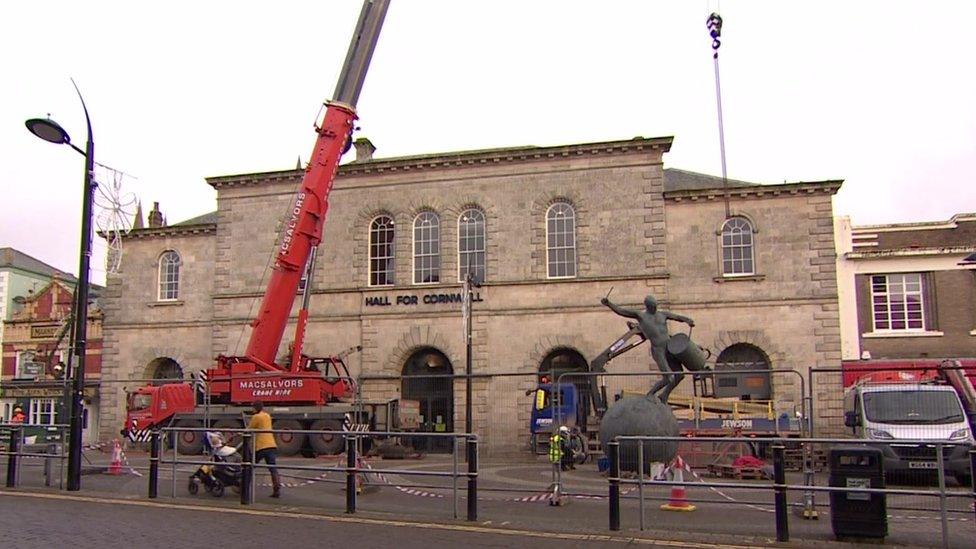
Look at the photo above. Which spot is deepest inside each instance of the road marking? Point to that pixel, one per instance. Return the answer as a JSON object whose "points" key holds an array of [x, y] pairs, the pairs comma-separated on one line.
{"points": [[382, 522]]}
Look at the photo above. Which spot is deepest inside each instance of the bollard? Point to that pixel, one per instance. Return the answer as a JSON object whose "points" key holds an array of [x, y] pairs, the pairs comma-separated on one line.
{"points": [[472, 447], [613, 453], [247, 468], [14, 448], [972, 475], [939, 459], [779, 480], [350, 474], [154, 464], [52, 449]]}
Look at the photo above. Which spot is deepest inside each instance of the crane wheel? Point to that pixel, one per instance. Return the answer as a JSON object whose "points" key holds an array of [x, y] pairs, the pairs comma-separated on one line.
{"points": [[231, 439], [189, 443], [327, 445], [289, 444]]}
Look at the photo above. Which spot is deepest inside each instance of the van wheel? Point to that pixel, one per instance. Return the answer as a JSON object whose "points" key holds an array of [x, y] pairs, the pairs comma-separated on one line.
{"points": [[323, 444], [289, 444]]}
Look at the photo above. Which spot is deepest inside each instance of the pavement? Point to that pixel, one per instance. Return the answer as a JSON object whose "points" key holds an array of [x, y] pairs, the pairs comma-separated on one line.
{"points": [[512, 499]]}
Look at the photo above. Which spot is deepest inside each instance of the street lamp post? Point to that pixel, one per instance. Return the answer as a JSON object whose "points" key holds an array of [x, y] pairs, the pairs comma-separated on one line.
{"points": [[51, 131], [470, 282]]}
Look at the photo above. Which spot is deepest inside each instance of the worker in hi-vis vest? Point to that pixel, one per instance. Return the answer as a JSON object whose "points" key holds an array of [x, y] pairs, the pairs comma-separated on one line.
{"points": [[559, 451]]}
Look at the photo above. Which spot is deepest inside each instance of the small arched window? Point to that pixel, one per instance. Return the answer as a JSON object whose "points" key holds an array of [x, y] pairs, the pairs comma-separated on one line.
{"points": [[169, 276], [738, 253], [561, 240], [471, 245], [426, 248], [381, 251]]}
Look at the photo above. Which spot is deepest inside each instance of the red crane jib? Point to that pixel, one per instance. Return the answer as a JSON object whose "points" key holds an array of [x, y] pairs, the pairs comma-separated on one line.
{"points": [[256, 376], [301, 232]]}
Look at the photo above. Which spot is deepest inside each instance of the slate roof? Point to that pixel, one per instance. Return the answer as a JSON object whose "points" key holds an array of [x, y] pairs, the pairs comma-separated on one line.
{"points": [[205, 219], [683, 180], [15, 259]]}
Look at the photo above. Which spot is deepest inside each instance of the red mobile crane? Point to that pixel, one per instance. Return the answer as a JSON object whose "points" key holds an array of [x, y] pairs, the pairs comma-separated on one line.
{"points": [[306, 385]]}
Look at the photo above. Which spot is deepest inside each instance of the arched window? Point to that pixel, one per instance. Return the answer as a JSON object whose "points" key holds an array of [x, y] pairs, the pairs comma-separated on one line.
{"points": [[426, 248], [169, 276], [471, 245], [561, 240], [738, 255], [381, 252]]}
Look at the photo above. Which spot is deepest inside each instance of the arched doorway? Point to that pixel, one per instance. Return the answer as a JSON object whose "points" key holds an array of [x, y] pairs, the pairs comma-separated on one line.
{"points": [[565, 361], [435, 394], [164, 369], [743, 356]]}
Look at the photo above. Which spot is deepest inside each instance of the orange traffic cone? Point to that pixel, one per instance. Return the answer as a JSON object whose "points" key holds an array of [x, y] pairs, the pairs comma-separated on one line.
{"points": [[679, 499], [115, 468]]}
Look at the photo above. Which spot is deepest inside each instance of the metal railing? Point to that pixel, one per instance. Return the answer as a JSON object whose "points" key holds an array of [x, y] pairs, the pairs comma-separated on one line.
{"points": [[353, 470], [779, 485], [15, 448]]}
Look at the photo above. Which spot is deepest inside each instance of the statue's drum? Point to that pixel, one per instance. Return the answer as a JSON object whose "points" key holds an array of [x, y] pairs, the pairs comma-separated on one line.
{"points": [[640, 416], [690, 355]]}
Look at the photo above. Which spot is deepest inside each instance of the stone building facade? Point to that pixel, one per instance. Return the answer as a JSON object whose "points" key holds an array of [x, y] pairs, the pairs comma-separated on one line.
{"points": [[550, 229]]}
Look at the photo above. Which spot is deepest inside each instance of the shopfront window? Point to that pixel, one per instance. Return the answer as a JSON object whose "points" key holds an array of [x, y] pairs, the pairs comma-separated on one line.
{"points": [[43, 411]]}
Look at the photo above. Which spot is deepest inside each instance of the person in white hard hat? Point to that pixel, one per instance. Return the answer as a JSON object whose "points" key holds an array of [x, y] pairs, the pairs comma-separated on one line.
{"points": [[566, 460]]}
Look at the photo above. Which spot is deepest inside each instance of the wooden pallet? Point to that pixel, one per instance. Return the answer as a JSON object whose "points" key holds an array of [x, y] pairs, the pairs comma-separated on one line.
{"points": [[794, 459], [739, 473]]}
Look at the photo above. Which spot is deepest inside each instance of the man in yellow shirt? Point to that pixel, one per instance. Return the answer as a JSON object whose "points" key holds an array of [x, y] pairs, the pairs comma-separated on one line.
{"points": [[264, 445]]}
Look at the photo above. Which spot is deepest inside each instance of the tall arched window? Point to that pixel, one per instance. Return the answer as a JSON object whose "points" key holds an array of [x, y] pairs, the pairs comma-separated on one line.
{"points": [[471, 245], [381, 251], [561, 240], [169, 276], [426, 248], [737, 248]]}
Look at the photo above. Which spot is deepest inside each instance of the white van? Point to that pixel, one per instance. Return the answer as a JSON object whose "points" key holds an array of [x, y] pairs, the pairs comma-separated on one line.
{"points": [[912, 411]]}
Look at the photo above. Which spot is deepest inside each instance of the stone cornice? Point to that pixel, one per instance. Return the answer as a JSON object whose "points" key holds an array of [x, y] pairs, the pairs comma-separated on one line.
{"points": [[510, 155], [758, 191], [911, 252], [952, 223], [172, 230]]}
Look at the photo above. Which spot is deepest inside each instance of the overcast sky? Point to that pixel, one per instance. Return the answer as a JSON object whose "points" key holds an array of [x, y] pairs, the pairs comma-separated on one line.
{"points": [[880, 94]]}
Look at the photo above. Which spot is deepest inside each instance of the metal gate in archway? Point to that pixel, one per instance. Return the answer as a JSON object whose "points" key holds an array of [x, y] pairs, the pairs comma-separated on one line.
{"points": [[422, 381]]}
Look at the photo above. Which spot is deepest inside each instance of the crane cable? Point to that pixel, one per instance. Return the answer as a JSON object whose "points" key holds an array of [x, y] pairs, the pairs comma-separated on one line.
{"points": [[714, 25]]}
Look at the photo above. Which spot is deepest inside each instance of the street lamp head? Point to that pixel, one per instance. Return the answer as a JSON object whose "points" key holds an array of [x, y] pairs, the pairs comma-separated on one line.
{"points": [[48, 130]]}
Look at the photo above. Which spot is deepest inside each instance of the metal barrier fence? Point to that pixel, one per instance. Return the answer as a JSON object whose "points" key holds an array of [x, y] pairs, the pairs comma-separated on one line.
{"points": [[858, 487], [355, 470], [514, 466], [22, 450]]}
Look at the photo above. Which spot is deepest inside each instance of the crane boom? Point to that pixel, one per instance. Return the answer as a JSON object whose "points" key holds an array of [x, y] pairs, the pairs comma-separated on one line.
{"points": [[302, 230]]}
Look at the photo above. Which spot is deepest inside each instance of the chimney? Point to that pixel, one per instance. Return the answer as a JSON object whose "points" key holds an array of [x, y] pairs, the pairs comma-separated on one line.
{"points": [[364, 149], [156, 217]]}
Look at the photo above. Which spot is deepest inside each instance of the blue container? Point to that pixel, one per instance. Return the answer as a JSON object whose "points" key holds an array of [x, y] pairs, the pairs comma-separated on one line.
{"points": [[603, 464]]}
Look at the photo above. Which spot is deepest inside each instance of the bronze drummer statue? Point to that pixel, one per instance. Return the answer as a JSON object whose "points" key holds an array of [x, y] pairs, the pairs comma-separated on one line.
{"points": [[653, 324]]}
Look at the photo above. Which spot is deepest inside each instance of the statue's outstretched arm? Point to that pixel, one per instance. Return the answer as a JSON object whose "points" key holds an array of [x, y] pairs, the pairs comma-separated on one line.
{"points": [[679, 318], [619, 310]]}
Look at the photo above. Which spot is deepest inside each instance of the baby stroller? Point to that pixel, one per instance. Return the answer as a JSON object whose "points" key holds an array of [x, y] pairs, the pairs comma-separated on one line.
{"points": [[223, 471]]}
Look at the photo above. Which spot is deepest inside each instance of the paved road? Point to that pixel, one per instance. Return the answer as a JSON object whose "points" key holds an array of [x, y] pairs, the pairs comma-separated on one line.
{"points": [[33, 521]]}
